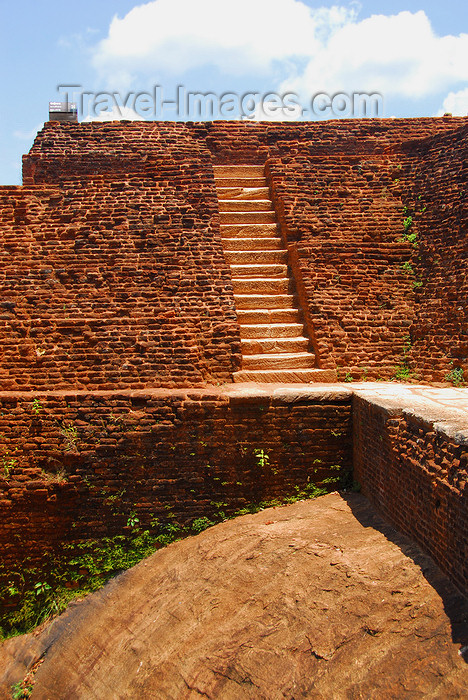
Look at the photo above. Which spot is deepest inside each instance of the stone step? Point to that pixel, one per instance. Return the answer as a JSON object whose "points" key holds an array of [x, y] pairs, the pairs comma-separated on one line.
{"points": [[269, 230], [247, 217], [302, 360], [240, 182], [245, 205], [267, 316], [256, 257], [238, 170], [285, 376], [243, 193], [262, 286], [265, 301], [266, 243], [271, 330], [274, 346], [259, 270]]}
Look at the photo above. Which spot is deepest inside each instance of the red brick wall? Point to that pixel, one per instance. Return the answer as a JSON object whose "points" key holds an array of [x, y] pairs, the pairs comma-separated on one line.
{"points": [[436, 197], [113, 278], [340, 189], [417, 476], [73, 466], [342, 220]]}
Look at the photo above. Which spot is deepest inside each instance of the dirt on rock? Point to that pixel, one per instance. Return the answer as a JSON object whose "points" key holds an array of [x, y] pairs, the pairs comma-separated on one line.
{"points": [[320, 599]]}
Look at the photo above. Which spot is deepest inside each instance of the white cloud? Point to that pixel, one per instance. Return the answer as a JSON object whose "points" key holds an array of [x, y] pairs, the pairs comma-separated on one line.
{"points": [[28, 135], [80, 40], [115, 114], [276, 111], [320, 50], [237, 37], [456, 103], [395, 55]]}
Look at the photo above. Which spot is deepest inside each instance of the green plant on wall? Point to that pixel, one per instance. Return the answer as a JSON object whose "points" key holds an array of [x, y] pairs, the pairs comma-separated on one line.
{"points": [[133, 521], [455, 377], [310, 490], [7, 463], [41, 588], [408, 268], [200, 524], [262, 458], [70, 435], [36, 406], [407, 223], [403, 372]]}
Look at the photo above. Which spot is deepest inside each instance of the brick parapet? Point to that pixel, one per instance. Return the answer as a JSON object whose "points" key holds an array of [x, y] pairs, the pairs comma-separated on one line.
{"points": [[75, 465], [411, 459]]}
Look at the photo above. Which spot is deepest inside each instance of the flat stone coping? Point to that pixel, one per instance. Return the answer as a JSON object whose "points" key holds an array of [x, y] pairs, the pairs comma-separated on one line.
{"points": [[443, 409]]}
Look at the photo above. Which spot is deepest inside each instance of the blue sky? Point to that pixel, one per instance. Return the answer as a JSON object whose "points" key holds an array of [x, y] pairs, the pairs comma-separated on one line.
{"points": [[414, 53]]}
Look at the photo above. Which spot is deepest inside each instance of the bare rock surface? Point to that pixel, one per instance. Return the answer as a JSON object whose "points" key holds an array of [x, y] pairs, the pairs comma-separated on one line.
{"points": [[320, 599]]}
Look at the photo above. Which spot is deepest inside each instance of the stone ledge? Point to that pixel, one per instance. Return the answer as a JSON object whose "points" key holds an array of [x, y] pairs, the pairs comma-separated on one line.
{"points": [[444, 410]]}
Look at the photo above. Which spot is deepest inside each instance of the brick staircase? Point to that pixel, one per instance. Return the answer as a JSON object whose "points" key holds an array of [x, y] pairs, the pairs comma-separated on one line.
{"points": [[274, 345]]}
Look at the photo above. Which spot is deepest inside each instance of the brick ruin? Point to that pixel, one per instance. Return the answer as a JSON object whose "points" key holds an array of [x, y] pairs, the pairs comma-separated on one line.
{"points": [[113, 251], [119, 324]]}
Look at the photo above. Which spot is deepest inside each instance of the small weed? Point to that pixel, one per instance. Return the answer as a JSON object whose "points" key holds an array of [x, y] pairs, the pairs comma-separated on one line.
{"points": [[7, 463], [41, 588], [133, 520], [70, 435], [218, 504], [201, 524], [407, 344], [311, 490], [21, 690], [169, 532], [455, 377], [114, 497], [349, 377], [36, 406], [407, 223], [407, 268], [403, 372], [263, 459]]}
